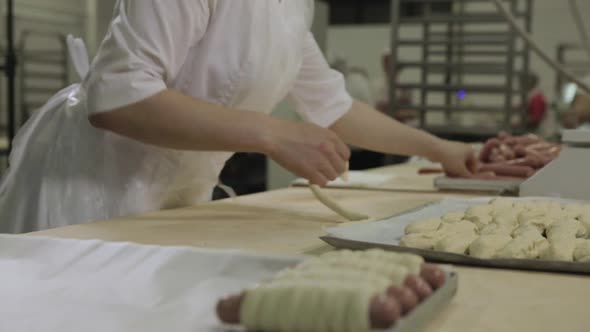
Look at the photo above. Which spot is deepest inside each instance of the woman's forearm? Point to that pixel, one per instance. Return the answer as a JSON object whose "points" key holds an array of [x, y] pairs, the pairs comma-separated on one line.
{"points": [[369, 129], [173, 120]]}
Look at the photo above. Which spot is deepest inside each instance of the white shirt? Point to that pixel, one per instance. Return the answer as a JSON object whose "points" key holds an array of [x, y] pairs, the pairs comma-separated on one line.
{"points": [[247, 55], [359, 87], [217, 51]]}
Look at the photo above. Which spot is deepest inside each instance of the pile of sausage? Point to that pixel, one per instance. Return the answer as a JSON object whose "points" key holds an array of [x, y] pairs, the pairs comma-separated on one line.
{"points": [[515, 156], [384, 310]]}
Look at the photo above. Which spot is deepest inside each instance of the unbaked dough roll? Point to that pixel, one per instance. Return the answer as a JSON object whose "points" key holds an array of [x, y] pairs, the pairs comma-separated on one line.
{"points": [[479, 220], [456, 242], [421, 240], [371, 259], [521, 206], [486, 246], [307, 306], [507, 217], [582, 251], [453, 217], [563, 230], [502, 203], [527, 246], [478, 210], [556, 213], [541, 223], [573, 211], [378, 280], [526, 229], [584, 220], [410, 261], [496, 229], [423, 226], [560, 250], [463, 226], [527, 215]]}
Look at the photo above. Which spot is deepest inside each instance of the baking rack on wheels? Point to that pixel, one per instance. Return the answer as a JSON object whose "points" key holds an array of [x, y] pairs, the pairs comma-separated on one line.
{"points": [[463, 63], [8, 67]]}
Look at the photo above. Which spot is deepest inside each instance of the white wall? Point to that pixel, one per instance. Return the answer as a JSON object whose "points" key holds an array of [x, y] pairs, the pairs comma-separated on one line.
{"points": [[552, 24]]}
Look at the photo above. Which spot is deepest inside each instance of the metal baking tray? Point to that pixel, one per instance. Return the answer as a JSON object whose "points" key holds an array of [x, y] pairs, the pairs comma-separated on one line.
{"points": [[443, 257], [426, 312], [419, 318], [477, 185], [385, 234]]}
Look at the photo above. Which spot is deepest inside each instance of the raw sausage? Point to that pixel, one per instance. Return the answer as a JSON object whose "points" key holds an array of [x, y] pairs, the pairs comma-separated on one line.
{"points": [[433, 275], [420, 287], [508, 170]]}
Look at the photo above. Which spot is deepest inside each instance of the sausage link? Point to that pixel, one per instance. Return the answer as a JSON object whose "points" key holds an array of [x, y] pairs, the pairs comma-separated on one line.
{"points": [[419, 286], [509, 170], [433, 274]]}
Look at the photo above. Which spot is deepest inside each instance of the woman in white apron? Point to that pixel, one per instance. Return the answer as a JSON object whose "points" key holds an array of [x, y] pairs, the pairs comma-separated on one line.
{"points": [[176, 88]]}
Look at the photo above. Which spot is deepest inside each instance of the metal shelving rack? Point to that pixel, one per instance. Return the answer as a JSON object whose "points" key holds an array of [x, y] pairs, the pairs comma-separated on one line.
{"points": [[9, 70], [457, 47]]}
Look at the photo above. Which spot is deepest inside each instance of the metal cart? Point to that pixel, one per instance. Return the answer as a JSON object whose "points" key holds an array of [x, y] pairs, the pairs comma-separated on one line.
{"points": [[469, 52]]}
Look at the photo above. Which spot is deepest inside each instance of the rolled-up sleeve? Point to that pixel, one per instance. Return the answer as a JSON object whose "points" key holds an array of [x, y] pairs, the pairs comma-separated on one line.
{"points": [[145, 48], [319, 92]]}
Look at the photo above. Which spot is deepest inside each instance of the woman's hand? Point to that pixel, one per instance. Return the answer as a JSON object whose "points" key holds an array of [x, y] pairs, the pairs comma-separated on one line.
{"points": [[309, 151], [457, 159]]}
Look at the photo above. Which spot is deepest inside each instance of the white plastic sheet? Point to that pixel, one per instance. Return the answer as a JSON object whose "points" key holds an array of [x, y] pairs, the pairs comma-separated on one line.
{"points": [[49, 285]]}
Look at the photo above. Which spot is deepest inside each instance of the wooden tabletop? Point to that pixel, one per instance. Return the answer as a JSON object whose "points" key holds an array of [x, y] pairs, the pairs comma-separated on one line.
{"points": [[289, 221]]}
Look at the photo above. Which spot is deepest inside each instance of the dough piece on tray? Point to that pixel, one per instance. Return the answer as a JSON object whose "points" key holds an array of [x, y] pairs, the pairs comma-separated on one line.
{"points": [[496, 229], [573, 211], [502, 203], [541, 223], [560, 250], [366, 259], [566, 229], [456, 243], [562, 240], [486, 246], [526, 229], [478, 210], [584, 220], [326, 306], [377, 280], [527, 215], [509, 217], [529, 245], [453, 217], [423, 226], [521, 206], [582, 251], [556, 216], [479, 220], [463, 226], [421, 240]]}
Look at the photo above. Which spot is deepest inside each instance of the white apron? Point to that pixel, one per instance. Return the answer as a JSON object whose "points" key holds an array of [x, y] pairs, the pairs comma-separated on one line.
{"points": [[63, 171]]}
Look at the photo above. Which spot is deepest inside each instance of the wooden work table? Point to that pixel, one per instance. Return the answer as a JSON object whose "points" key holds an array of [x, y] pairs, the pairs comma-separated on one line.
{"points": [[289, 221]]}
